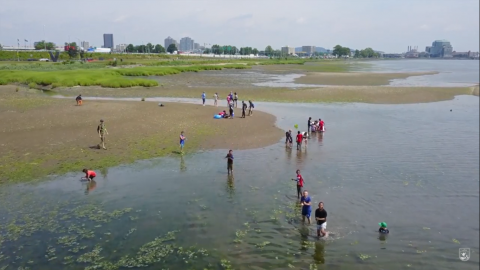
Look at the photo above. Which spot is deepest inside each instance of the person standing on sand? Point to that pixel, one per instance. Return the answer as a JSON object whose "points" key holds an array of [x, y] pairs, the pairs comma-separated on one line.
{"points": [[182, 141], [250, 108], [321, 218], [306, 203], [300, 182], [203, 98], [244, 108], [299, 140], [102, 131], [230, 107], [215, 100], [235, 99], [229, 158], [228, 100]]}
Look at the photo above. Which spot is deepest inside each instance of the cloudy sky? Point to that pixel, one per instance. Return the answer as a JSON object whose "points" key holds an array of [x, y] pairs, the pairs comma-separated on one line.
{"points": [[385, 25]]}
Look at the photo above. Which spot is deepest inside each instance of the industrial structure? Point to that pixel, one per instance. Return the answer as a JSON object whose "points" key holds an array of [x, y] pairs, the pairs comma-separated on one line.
{"points": [[440, 48], [412, 52]]}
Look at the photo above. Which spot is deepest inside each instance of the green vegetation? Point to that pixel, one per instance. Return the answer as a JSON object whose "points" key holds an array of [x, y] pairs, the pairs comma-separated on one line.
{"points": [[111, 78]]}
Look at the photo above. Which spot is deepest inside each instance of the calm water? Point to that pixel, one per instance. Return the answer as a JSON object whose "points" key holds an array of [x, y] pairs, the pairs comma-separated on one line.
{"points": [[451, 73], [414, 166]]}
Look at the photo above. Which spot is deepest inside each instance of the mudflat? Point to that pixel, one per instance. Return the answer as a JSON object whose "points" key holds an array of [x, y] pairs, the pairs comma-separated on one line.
{"points": [[43, 135], [355, 78]]}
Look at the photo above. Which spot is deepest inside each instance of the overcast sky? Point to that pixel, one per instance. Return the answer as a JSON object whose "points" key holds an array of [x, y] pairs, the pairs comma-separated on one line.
{"points": [[385, 25]]}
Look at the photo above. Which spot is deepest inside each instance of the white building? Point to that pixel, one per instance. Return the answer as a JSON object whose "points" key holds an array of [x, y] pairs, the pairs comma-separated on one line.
{"points": [[186, 44], [288, 50], [121, 47]]}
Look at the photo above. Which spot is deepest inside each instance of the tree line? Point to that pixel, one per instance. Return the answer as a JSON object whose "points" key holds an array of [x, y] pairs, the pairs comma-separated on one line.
{"points": [[365, 53]]}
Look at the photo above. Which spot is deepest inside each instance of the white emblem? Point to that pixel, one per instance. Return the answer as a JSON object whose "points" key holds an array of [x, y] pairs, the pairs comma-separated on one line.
{"points": [[464, 254]]}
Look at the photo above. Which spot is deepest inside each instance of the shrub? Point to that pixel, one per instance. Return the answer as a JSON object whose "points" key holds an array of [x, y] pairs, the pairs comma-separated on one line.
{"points": [[32, 85]]}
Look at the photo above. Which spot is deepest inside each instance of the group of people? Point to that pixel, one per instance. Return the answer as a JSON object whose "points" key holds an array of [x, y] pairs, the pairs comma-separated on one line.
{"points": [[316, 125], [232, 102]]}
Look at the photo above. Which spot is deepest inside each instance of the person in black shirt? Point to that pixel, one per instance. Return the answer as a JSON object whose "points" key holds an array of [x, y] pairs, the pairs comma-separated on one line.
{"points": [[231, 110], [244, 108], [250, 108], [229, 158], [309, 124], [288, 138], [383, 228], [321, 218], [78, 99]]}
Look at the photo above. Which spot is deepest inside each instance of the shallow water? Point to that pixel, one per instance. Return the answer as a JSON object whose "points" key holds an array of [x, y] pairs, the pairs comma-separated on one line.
{"points": [[414, 166]]}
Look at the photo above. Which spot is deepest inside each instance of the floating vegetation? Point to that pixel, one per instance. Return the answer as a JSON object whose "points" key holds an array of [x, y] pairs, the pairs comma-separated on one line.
{"points": [[363, 256], [226, 264], [426, 228], [455, 241], [262, 245]]}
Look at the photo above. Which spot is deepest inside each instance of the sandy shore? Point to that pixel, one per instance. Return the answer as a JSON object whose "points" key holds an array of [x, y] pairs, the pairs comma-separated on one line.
{"points": [[363, 94], [353, 78], [42, 135]]}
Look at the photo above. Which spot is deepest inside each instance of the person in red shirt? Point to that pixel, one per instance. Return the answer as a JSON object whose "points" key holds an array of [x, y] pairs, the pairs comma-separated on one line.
{"points": [[321, 125], [300, 182], [299, 140], [89, 174]]}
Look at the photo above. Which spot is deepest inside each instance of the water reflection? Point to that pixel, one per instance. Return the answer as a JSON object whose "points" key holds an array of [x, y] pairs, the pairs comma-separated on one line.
{"points": [[319, 255], [231, 185], [91, 186], [104, 172], [183, 167]]}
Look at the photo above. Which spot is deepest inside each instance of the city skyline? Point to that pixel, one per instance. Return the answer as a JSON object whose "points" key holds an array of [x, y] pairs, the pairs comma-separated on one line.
{"points": [[355, 25]]}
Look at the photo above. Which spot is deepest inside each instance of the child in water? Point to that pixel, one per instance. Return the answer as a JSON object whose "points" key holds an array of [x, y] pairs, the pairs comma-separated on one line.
{"points": [[383, 228], [89, 174]]}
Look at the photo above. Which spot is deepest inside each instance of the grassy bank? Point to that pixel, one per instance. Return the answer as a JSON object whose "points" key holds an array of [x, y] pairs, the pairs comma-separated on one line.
{"points": [[43, 136], [111, 78]]}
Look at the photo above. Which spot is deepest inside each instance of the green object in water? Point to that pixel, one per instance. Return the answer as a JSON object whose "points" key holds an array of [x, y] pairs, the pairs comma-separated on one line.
{"points": [[383, 224], [296, 126]]}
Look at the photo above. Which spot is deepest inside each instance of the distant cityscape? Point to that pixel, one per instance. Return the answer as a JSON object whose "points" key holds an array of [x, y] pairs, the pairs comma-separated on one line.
{"points": [[187, 45]]}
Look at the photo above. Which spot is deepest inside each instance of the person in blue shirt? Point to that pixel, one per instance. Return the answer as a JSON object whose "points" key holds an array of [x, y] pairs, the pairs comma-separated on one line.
{"points": [[182, 141], [203, 98], [383, 228], [306, 203]]}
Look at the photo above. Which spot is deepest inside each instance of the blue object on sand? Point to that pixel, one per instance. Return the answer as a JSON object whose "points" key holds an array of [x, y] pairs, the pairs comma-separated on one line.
{"points": [[217, 116]]}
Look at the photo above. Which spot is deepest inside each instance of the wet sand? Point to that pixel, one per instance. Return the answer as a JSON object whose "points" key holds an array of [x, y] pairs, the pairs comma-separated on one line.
{"points": [[363, 94], [354, 78], [43, 135]]}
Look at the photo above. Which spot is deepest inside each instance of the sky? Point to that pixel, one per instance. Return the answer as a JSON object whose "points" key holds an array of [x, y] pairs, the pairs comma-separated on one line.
{"points": [[385, 25]]}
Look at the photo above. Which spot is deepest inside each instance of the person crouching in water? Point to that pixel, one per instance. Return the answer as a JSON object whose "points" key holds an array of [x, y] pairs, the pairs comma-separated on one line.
{"points": [[89, 174], [288, 138], [305, 201], [383, 228]]}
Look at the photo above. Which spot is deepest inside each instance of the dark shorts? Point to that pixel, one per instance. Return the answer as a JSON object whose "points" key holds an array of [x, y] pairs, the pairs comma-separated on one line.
{"points": [[230, 166], [299, 189], [91, 177]]}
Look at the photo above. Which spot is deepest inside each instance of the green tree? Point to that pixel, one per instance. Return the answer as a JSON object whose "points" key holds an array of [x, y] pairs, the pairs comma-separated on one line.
{"points": [[43, 44], [82, 54], [159, 49], [72, 50], [1, 47], [149, 47], [357, 54], [130, 48], [367, 53], [268, 50], [234, 50], [207, 50], [255, 51], [171, 48], [341, 51], [215, 49]]}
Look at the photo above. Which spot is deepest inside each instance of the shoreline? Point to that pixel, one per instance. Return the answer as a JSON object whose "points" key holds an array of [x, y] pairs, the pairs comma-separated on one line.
{"points": [[44, 136]]}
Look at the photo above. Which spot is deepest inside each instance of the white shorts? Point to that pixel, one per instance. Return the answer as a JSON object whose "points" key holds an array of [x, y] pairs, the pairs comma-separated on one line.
{"points": [[323, 226]]}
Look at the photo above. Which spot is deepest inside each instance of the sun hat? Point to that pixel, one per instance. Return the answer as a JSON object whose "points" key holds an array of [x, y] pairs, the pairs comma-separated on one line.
{"points": [[383, 224]]}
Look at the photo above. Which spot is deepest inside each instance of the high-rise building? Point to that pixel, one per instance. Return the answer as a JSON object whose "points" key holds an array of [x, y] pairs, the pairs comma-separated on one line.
{"points": [[85, 45], [196, 46], [169, 41], [108, 41], [186, 44], [440, 48], [288, 50], [308, 49]]}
